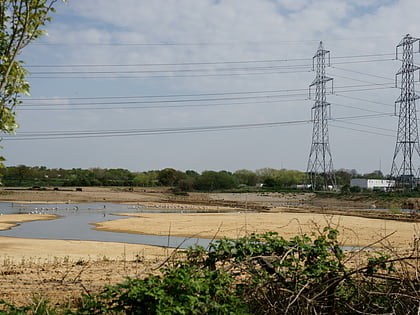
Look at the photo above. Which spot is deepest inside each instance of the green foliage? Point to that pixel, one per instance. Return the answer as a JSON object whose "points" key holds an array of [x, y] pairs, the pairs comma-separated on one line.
{"points": [[184, 289], [283, 270], [170, 177], [211, 180], [281, 178], [21, 22], [345, 188], [259, 274], [246, 177], [355, 189], [146, 179], [38, 306], [263, 274]]}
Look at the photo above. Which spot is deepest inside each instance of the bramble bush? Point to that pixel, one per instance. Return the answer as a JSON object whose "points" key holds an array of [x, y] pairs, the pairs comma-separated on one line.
{"points": [[266, 274]]}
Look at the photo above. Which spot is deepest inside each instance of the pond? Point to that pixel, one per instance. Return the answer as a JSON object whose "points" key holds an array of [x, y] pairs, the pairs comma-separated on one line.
{"points": [[75, 224]]}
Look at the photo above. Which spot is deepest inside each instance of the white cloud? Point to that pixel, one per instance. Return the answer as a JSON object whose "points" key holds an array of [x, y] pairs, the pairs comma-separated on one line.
{"points": [[293, 5], [235, 30]]}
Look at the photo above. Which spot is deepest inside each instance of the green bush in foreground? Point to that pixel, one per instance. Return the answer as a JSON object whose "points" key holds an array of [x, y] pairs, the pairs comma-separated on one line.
{"points": [[186, 289], [264, 274]]}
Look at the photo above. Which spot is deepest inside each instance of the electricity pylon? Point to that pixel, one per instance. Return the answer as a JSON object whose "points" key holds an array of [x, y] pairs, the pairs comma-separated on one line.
{"points": [[320, 165], [407, 151]]}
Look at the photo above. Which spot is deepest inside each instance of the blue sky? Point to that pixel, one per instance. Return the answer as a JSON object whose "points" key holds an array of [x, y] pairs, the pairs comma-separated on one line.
{"points": [[165, 69]]}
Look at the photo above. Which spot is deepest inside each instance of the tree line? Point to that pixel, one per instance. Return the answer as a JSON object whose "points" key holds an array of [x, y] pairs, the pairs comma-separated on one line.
{"points": [[190, 180]]}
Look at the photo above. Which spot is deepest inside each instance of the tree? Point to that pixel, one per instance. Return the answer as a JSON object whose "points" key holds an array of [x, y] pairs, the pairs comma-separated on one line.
{"points": [[246, 177], [20, 173], [142, 180], [170, 177], [21, 22], [374, 175], [211, 180], [344, 176]]}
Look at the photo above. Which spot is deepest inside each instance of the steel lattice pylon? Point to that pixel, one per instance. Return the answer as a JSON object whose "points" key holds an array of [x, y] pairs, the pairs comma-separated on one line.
{"points": [[407, 151], [320, 165]]}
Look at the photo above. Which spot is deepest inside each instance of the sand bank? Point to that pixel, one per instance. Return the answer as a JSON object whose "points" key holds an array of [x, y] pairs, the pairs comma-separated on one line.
{"points": [[354, 231], [19, 248], [8, 221]]}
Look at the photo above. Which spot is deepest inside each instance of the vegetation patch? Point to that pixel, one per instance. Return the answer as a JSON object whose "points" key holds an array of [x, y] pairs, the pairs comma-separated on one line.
{"points": [[261, 274]]}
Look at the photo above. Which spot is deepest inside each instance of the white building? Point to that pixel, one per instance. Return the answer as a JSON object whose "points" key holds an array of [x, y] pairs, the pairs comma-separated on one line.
{"points": [[372, 184]]}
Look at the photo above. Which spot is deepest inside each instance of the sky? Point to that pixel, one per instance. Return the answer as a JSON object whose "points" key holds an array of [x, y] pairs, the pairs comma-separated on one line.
{"points": [[210, 84]]}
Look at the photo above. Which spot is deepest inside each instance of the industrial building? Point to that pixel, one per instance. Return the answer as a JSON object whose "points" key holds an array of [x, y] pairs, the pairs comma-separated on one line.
{"points": [[372, 184]]}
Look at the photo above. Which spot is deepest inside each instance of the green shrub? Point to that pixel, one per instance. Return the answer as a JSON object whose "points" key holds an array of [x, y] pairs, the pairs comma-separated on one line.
{"points": [[263, 274], [184, 289]]}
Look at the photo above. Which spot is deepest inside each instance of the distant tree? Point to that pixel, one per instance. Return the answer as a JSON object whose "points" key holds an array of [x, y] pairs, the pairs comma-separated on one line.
{"points": [[145, 179], [246, 177], [20, 173], [99, 172], [288, 178], [170, 177], [211, 180], [187, 184], [355, 189], [374, 175], [191, 173], [21, 22], [345, 188], [80, 177], [267, 176], [344, 176], [281, 178], [263, 173], [270, 182], [118, 177]]}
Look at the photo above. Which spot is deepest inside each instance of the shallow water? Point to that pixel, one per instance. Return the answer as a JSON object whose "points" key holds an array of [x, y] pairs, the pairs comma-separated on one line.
{"points": [[74, 224]]}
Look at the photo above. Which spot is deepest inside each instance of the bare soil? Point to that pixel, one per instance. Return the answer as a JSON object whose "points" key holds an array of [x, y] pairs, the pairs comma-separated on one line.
{"points": [[60, 270]]}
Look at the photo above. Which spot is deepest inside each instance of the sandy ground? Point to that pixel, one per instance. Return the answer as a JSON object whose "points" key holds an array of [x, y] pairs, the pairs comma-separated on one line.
{"points": [[10, 220], [354, 231], [88, 194], [60, 270]]}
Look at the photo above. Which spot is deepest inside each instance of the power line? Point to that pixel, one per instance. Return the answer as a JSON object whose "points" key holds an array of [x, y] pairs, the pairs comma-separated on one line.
{"points": [[203, 62], [230, 43], [358, 108], [159, 106], [170, 70], [363, 100], [172, 73], [168, 95], [48, 135], [169, 101], [353, 79], [367, 126], [363, 131], [363, 73], [45, 135], [343, 88], [167, 76], [146, 104]]}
